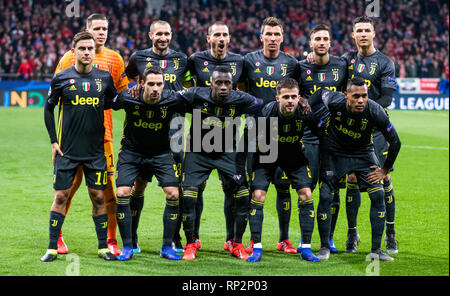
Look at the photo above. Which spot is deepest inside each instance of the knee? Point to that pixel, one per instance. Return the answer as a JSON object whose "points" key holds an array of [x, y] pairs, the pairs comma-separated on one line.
{"points": [[123, 191], [97, 198], [171, 193], [304, 194], [351, 178], [259, 195], [61, 197]]}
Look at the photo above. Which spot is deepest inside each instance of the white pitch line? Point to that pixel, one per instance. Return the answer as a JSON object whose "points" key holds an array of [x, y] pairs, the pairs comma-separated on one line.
{"points": [[425, 147]]}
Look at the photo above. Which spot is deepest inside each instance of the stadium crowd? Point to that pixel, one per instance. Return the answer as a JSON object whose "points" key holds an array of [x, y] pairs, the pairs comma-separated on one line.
{"points": [[34, 34]]}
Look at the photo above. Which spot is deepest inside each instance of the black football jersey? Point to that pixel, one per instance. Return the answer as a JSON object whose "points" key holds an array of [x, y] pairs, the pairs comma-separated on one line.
{"points": [[378, 71], [208, 114], [82, 99], [332, 76], [146, 127], [351, 134], [173, 65], [263, 74], [202, 64]]}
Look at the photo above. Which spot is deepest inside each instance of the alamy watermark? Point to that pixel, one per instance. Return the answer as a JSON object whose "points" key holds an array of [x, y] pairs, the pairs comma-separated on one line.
{"points": [[73, 269], [373, 9], [73, 8]]}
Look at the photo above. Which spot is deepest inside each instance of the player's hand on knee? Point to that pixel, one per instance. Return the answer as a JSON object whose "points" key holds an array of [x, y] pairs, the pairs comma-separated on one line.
{"points": [[377, 175]]}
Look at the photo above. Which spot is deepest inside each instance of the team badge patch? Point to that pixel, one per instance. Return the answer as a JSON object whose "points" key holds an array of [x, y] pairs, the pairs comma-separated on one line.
{"points": [[86, 86], [286, 128], [361, 67], [163, 64], [270, 70], [321, 76], [350, 122]]}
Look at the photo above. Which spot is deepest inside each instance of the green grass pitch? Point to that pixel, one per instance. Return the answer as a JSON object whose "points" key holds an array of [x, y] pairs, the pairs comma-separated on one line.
{"points": [[421, 184]]}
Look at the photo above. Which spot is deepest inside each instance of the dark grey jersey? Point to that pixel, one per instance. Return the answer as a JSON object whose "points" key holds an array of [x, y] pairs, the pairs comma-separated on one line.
{"points": [[263, 74], [332, 76], [351, 134], [377, 69], [82, 99], [202, 64], [146, 127], [173, 65]]}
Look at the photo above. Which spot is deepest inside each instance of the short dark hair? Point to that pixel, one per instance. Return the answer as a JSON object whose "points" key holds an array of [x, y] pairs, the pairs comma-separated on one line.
{"points": [[81, 36], [223, 69], [218, 23], [363, 19], [320, 27], [357, 80], [288, 83], [152, 70], [159, 22], [272, 22], [95, 17]]}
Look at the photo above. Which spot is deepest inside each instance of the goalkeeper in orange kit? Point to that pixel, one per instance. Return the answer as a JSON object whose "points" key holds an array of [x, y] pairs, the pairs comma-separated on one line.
{"points": [[109, 60]]}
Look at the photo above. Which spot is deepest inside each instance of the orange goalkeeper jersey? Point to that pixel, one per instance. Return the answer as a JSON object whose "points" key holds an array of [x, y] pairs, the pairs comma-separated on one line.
{"points": [[110, 61]]}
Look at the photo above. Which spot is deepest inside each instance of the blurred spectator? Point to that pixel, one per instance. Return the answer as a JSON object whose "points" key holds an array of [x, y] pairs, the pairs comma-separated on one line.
{"points": [[443, 85], [414, 33]]}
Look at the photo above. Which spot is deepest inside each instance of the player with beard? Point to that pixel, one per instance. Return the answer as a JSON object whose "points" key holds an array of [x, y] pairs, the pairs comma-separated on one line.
{"points": [[263, 69], [329, 72], [173, 64], [201, 66]]}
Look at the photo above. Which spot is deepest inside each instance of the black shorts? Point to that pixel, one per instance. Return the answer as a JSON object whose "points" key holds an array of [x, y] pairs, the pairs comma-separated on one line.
{"points": [[335, 167], [313, 155], [130, 165], [381, 147], [198, 166], [263, 174], [94, 170]]}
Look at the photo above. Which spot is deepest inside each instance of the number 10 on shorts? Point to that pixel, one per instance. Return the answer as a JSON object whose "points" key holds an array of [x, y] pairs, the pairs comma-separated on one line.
{"points": [[99, 178]]}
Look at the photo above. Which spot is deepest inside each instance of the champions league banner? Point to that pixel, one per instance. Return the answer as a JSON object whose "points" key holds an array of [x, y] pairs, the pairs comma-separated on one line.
{"points": [[419, 102]]}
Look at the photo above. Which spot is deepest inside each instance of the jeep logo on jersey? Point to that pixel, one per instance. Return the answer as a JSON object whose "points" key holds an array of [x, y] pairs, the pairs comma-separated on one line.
{"points": [[86, 86], [361, 67], [321, 76], [270, 70], [163, 64]]}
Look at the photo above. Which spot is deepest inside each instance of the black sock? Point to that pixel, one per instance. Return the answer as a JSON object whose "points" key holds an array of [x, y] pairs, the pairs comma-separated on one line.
{"points": [[136, 205], [241, 198], [170, 220], [352, 203], [306, 219], [255, 220], [335, 206], [176, 235], [124, 220], [101, 228], [189, 201], [324, 215], [377, 215], [228, 209], [198, 210], [283, 206], [389, 201], [55, 224]]}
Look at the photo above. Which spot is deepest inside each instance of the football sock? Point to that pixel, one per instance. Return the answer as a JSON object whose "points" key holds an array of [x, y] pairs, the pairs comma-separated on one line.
{"points": [[170, 220], [255, 220], [390, 206], [123, 214], [306, 219], [377, 215], [242, 200], [198, 210], [136, 205], [55, 224], [324, 215], [101, 228], [189, 201], [335, 206], [283, 206], [176, 235], [353, 201]]}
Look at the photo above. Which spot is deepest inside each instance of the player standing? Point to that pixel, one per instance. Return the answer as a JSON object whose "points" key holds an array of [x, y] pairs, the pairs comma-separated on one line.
{"points": [[82, 92], [263, 69], [378, 70], [353, 118], [173, 64], [146, 151], [111, 61], [201, 66], [290, 126], [327, 72]]}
